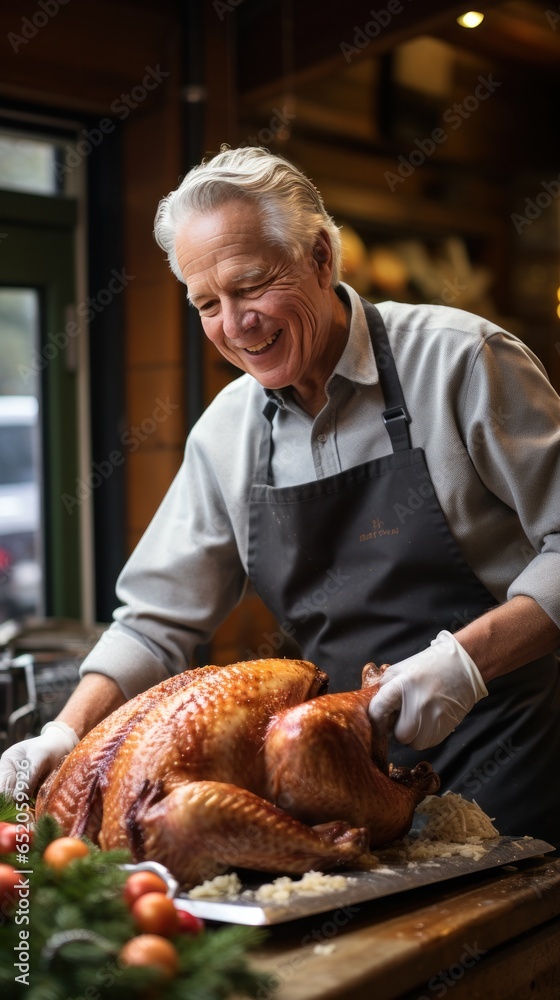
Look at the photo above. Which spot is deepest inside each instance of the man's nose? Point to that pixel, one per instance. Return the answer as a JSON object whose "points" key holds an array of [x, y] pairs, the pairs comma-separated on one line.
{"points": [[237, 320]]}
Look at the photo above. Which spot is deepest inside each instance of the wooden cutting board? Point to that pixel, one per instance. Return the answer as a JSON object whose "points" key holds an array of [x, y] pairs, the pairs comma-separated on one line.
{"points": [[490, 935]]}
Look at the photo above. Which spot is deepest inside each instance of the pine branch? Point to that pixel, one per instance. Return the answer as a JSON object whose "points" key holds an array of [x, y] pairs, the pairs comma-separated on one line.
{"points": [[46, 829], [79, 922], [8, 809]]}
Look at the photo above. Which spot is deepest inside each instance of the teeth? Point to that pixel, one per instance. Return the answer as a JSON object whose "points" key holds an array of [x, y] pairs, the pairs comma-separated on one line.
{"points": [[265, 343]]}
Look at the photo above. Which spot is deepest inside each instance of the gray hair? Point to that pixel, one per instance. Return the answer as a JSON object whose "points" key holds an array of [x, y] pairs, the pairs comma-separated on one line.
{"points": [[292, 210]]}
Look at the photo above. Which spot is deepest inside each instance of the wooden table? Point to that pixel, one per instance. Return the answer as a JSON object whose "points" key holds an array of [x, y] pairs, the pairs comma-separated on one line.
{"points": [[490, 936]]}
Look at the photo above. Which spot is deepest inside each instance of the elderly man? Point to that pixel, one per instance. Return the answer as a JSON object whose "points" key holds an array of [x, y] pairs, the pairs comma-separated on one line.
{"points": [[359, 477]]}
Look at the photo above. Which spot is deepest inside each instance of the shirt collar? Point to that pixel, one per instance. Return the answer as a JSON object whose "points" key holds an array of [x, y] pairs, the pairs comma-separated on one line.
{"points": [[357, 361]]}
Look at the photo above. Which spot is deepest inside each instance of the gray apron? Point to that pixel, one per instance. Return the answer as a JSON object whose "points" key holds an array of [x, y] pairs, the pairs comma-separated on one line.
{"points": [[353, 580]]}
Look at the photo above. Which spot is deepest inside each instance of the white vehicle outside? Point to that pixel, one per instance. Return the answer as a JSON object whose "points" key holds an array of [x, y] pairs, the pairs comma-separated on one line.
{"points": [[20, 507]]}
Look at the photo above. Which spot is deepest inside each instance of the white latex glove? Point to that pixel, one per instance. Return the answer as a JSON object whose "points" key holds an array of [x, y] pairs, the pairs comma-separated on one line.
{"points": [[39, 755], [430, 693]]}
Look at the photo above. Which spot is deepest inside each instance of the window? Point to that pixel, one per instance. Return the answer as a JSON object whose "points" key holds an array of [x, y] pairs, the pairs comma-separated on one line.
{"points": [[28, 164], [40, 540], [21, 548]]}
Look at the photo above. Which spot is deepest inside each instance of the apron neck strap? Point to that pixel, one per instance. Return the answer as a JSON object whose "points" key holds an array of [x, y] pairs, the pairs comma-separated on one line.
{"points": [[266, 448], [395, 415]]}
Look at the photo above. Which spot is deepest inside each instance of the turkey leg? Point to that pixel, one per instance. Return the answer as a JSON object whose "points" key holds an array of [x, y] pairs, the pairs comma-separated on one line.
{"points": [[203, 828]]}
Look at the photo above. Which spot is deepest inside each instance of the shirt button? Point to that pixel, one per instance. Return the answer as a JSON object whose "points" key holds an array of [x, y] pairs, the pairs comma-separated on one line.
{"points": [[322, 438]]}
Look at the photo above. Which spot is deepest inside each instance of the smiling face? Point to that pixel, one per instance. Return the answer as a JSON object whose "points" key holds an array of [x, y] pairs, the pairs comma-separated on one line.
{"points": [[281, 322]]}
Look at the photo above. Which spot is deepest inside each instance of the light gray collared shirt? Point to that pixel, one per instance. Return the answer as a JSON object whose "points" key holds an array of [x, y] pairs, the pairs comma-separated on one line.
{"points": [[482, 409]]}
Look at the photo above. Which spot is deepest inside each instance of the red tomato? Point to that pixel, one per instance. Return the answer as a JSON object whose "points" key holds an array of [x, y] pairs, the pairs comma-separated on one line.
{"points": [[139, 883], [8, 881], [62, 851], [188, 923], [8, 834], [155, 914], [149, 949], [13, 836]]}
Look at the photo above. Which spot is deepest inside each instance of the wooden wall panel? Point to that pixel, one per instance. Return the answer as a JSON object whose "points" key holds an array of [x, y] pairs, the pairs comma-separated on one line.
{"points": [[149, 469], [87, 55], [153, 322]]}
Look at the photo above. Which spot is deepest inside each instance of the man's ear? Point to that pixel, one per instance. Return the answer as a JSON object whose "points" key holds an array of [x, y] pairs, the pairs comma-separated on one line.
{"points": [[322, 255]]}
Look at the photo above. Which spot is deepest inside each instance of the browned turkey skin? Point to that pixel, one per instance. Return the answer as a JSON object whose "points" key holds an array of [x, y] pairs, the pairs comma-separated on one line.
{"points": [[250, 765]]}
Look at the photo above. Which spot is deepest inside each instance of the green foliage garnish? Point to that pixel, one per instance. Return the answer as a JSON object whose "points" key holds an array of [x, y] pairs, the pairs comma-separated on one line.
{"points": [[74, 923], [8, 809]]}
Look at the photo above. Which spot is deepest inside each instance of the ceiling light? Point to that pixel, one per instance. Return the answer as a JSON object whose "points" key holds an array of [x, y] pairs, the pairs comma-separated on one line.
{"points": [[471, 19]]}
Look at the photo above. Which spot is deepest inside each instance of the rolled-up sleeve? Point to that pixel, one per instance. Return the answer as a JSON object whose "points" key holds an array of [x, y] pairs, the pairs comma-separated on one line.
{"points": [[511, 416]]}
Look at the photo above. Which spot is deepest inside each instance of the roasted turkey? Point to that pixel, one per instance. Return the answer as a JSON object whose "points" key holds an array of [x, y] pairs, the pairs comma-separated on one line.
{"points": [[250, 765]]}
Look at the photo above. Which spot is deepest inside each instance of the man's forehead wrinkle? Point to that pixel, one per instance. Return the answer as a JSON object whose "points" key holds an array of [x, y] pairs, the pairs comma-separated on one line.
{"points": [[222, 236], [230, 242], [212, 252]]}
